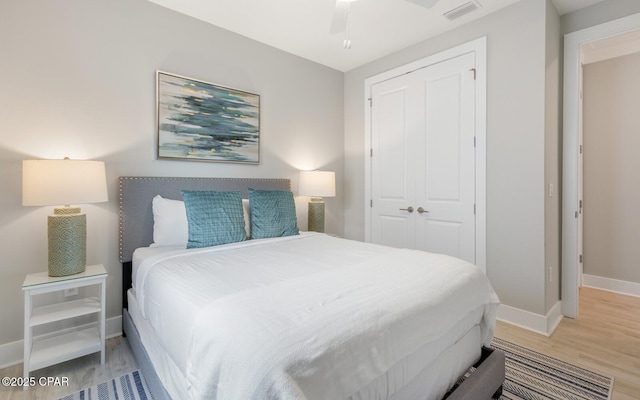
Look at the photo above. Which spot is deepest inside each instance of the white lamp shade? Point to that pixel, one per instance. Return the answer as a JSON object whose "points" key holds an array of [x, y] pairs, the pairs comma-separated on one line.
{"points": [[58, 182], [317, 183]]}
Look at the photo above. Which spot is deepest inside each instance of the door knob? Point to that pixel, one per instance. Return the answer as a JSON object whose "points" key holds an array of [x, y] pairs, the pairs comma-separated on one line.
{"points": [[408, 209], [422, 210]]}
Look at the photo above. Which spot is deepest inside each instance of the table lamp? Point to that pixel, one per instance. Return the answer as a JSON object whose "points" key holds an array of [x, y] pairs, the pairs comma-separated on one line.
{"points": [[64, 182], [317, 184]]}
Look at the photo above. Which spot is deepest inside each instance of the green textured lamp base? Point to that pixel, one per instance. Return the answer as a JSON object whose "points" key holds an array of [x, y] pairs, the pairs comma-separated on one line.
{"points": [[316, 215], [67, 231]]}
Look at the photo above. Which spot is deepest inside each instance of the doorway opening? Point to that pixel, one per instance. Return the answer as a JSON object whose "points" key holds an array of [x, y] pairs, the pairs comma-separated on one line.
{"points": [[572, 196]]}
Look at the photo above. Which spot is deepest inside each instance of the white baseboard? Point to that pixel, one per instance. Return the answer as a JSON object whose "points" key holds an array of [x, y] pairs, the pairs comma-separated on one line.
{"points": [[554, 316], [611, 285], [12, 353], [542, 324]]}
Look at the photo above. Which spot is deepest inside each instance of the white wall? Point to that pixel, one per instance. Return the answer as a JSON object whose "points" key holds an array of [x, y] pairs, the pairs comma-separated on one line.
{"points": [[515, 145], [611, 165], [77, 80]]}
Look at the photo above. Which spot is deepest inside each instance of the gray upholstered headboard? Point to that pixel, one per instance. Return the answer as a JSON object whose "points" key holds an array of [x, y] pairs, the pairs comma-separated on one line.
{"points": [[137, 192]]}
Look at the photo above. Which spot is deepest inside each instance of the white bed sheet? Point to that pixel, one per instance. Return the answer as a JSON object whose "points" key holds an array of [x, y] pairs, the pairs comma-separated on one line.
{"points": [[172, 294]]}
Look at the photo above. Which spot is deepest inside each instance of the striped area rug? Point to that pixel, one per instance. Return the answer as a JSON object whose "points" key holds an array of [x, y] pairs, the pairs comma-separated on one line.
{"points": [[129, 386], [534, 376]]}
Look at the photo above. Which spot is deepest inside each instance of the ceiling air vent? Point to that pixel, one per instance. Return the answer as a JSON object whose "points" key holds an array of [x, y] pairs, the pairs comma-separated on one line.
{"points": [[461, 10]]}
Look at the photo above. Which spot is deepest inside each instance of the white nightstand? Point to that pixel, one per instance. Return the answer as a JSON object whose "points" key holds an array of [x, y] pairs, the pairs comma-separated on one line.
{"points": [[53, 350]]}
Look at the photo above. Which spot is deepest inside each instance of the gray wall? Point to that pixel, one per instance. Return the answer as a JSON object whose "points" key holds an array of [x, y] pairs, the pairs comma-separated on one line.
{"points": [[598, 13], [552, 168], [611, 165], [516, 40], [78, 80]]}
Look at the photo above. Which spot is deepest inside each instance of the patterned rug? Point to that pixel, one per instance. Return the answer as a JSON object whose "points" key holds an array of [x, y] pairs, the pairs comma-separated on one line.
{"points": [[535, 376], [129, 386]]}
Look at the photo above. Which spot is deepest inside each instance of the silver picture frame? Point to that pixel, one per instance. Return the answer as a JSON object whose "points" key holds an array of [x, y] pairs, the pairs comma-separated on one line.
{"points": [[203, 121]]}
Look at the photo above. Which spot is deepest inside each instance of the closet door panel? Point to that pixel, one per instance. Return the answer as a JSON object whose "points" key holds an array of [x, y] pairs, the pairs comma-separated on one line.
{"points": [[392, 183], [445, 236], [445, 187], [442, 144]]}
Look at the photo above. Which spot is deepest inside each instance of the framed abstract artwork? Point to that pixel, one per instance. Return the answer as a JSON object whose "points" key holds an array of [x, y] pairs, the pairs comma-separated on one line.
{"points": [[201, 121]]}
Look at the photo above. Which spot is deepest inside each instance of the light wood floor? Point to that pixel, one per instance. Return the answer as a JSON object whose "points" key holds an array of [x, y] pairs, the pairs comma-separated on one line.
{"points": [[82, 372], [605, 338]]}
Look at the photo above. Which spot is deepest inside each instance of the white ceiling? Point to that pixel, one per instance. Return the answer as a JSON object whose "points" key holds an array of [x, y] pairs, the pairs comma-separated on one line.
{"points": [[301, 27]]}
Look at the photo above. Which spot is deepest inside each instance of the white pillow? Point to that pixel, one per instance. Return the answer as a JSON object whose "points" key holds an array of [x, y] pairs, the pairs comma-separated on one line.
{"points": [[247, 213], [170, 225]]}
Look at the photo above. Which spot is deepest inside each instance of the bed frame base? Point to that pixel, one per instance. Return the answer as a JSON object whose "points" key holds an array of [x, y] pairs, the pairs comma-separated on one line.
{"points": [[486, 381], [154, 384]]}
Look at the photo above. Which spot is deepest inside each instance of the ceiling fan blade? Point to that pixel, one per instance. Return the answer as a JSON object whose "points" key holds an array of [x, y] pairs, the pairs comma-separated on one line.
{"points": [[340, 16], [424, 3]]}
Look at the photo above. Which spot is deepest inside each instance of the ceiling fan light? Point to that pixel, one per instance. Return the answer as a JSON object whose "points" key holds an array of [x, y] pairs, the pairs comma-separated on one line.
{"points": [[424, 3]]}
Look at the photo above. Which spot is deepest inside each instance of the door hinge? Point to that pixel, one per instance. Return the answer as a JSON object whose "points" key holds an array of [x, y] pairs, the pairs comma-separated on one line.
{"points": [[474, 141], [371, 152], [370, 101], [474, 73], [580, 258], [580, 149], [580, 207], [474, 209], [371, 203]]}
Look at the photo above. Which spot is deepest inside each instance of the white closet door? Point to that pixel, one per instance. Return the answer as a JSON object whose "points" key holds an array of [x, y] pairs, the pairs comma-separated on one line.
{"points": [[393, 187], [424, 159], [445, 164]]}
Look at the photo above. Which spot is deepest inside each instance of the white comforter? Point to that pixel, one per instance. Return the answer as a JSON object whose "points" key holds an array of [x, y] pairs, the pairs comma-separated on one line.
{"points": [[324, 317]]}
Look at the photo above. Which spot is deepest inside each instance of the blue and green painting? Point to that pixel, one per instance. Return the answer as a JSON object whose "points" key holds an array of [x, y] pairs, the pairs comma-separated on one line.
{"points": [[203, 121]]}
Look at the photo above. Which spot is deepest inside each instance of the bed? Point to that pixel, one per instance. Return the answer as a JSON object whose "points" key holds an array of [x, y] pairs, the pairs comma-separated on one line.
{"points": [[305, 316]]}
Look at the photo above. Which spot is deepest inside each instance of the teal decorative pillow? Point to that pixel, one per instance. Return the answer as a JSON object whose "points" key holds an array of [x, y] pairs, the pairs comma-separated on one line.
{"points": [[273, 214], [214, 218]]}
